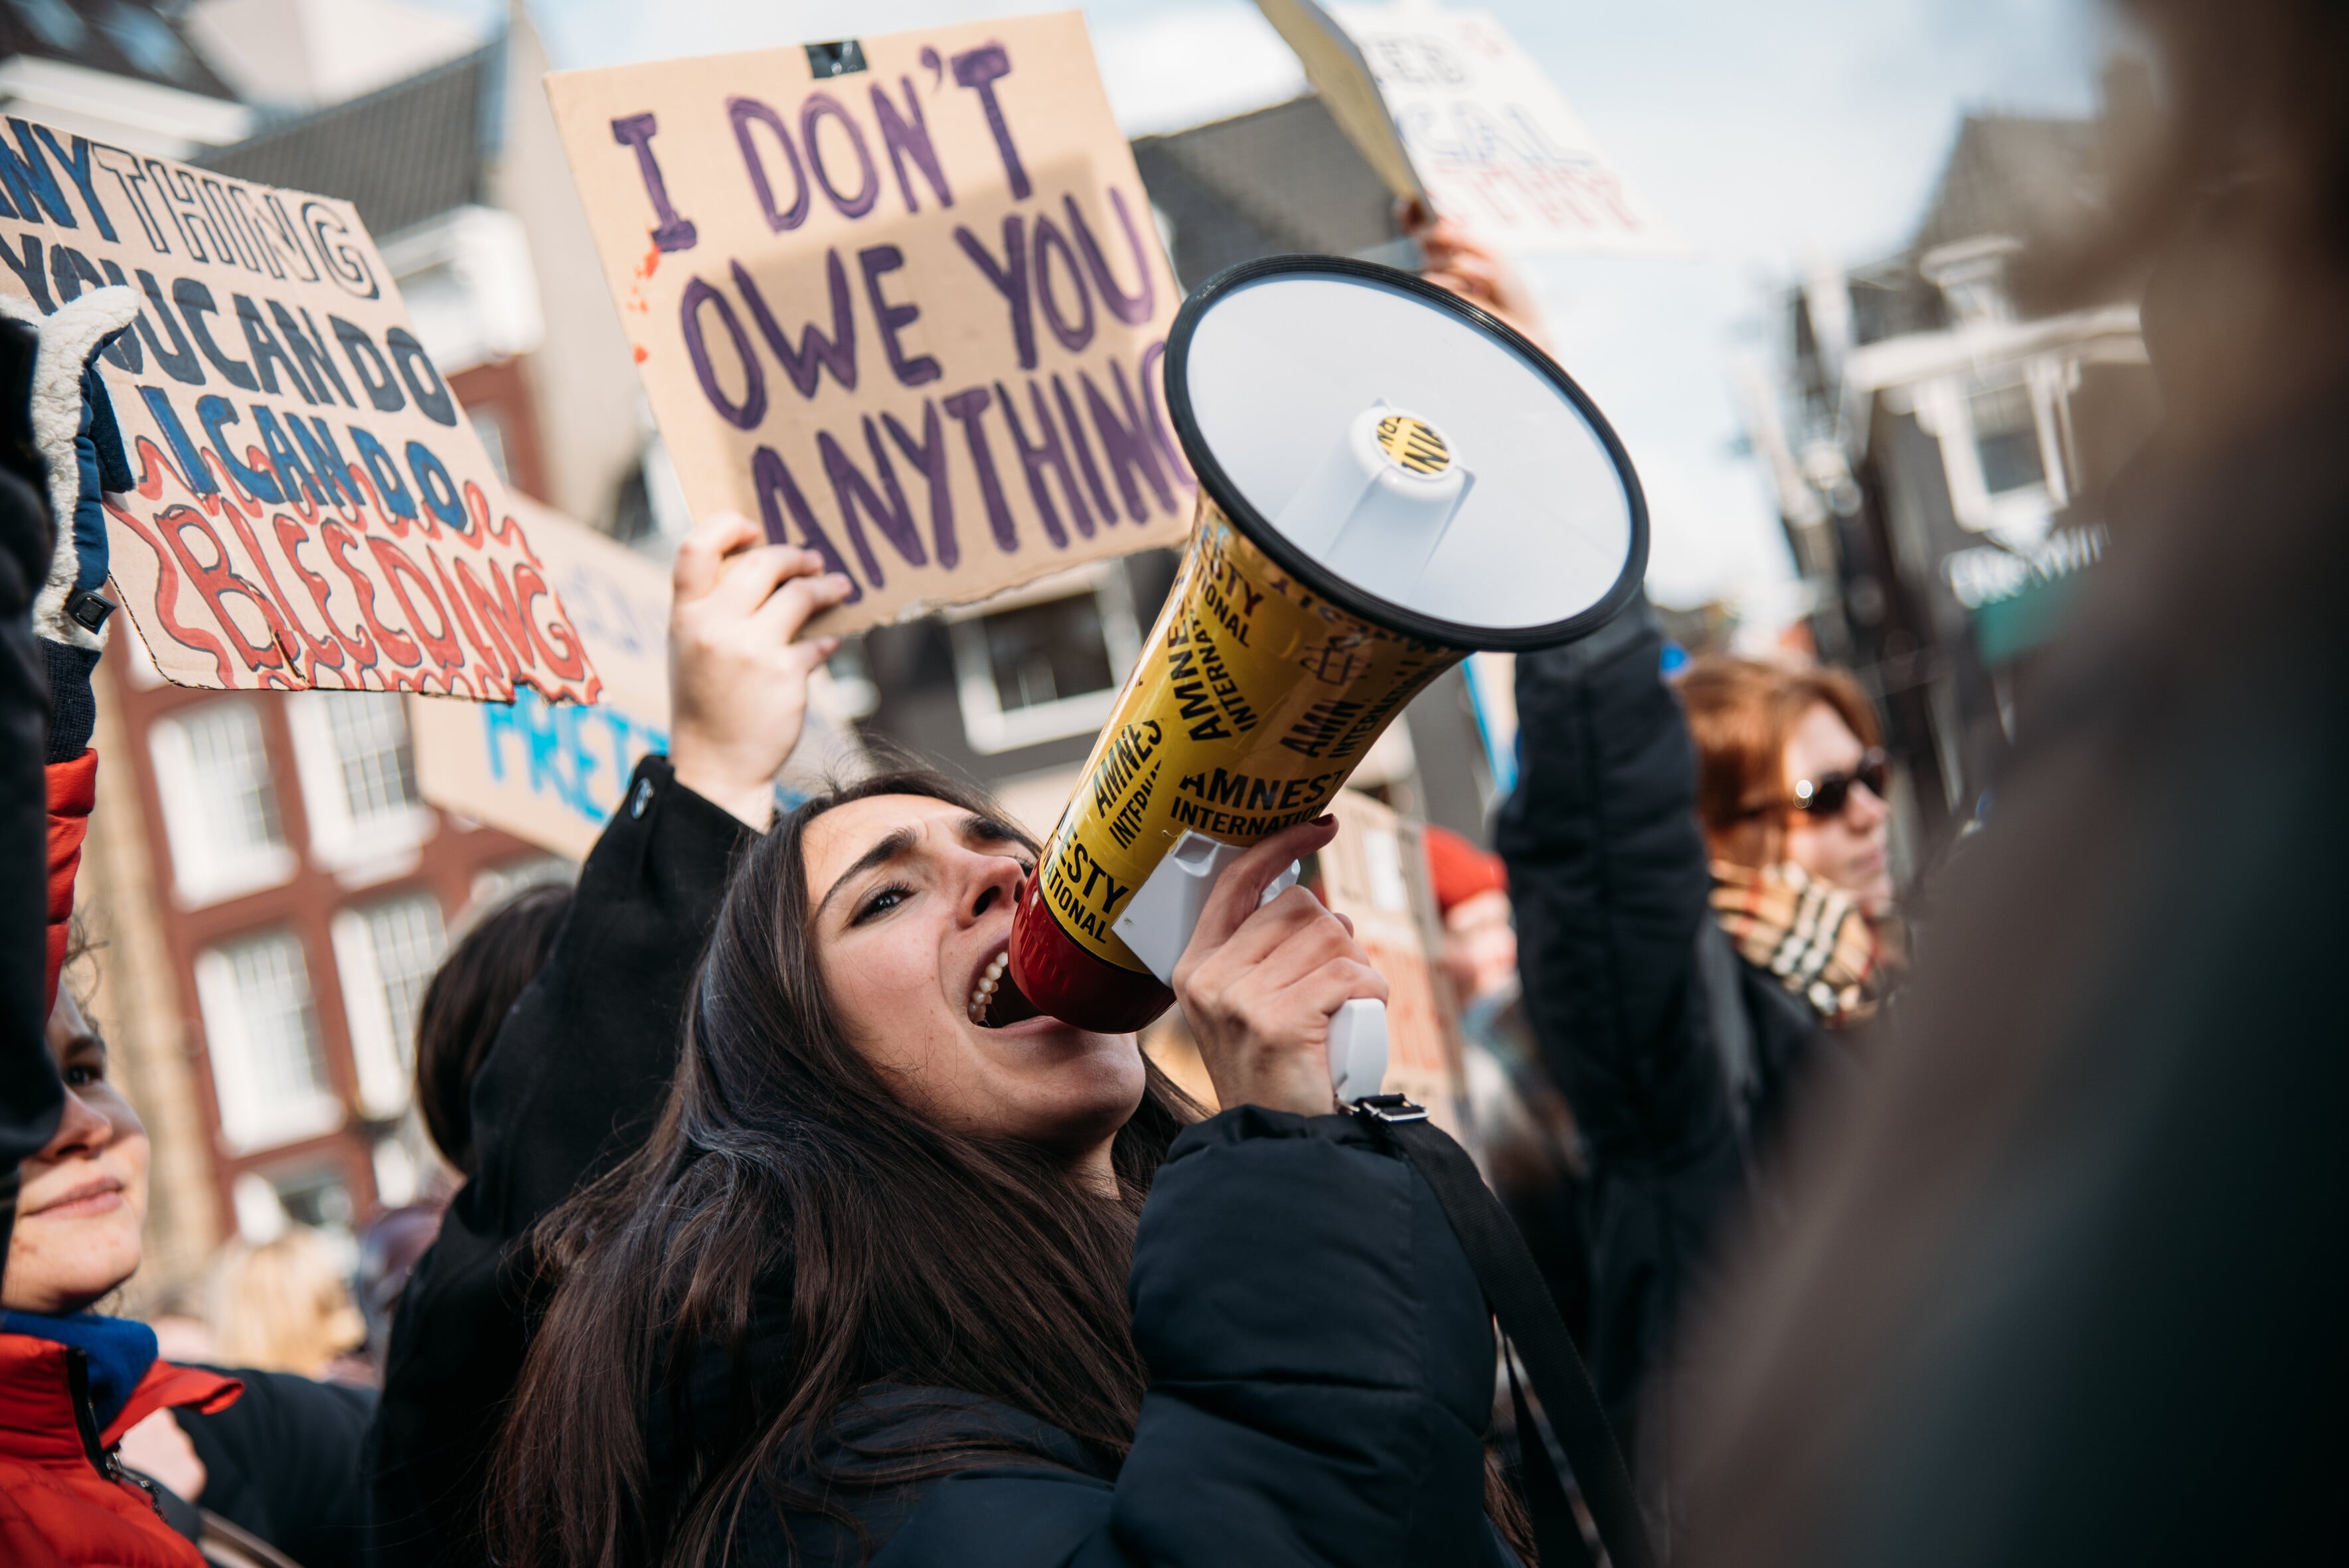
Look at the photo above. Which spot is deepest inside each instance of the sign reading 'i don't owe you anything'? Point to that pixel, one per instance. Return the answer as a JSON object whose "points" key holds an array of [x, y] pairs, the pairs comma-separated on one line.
{"points": [[901, 299], [311, 508]]}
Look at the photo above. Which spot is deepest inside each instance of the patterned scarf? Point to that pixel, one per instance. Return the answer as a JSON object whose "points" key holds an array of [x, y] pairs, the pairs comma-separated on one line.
{"points": [[1816, 939]]}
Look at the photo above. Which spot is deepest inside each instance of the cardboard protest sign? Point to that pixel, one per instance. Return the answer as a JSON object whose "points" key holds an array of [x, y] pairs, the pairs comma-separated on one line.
{"points": [[1375, 873], [1446, 106], [910, 312], [555, 774], [312, 507]]}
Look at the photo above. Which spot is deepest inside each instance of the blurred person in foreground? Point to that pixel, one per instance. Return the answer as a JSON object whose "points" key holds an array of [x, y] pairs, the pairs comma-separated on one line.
{"points": [[2057, 1288]]}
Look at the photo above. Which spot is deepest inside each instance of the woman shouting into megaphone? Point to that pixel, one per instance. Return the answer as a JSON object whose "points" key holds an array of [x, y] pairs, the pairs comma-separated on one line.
{"points": [[903, 1272]]}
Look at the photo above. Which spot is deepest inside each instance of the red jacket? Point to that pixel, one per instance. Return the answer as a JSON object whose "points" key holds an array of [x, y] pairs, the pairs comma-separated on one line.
{"points": [[65, 1500], [73, 790]]}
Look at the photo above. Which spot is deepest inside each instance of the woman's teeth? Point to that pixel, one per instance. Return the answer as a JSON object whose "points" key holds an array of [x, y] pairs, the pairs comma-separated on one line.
{"points": [[984, 992]]}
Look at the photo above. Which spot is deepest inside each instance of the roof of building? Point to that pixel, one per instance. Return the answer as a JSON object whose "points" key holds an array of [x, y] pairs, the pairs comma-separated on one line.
{"points": [[400, 155], [120, 38], [2023, 177], [1274, 180], [2016, 176]]}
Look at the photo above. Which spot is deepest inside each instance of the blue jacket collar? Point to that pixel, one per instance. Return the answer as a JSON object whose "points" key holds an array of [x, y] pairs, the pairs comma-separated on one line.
{"points": [[119, 1352]]}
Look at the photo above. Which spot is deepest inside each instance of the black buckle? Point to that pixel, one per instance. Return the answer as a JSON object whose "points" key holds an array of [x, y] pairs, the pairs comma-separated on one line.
{"points": [[87, 610], [1389, 1108]]}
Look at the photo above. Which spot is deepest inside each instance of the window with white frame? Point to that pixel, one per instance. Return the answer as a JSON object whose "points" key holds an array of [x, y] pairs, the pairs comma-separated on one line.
{"points": [[219, 808], [359, 777], [1998, 428], [2006, 439], [261, 1031], [386, 954], [1044, 663]]}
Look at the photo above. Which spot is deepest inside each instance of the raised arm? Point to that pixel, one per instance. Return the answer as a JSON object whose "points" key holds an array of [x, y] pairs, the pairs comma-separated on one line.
{"points": [[1607, 875]]}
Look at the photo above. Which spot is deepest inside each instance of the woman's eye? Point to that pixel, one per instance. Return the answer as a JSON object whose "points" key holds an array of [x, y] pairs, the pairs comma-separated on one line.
{"points": [[82, 1076], [881, 901]]}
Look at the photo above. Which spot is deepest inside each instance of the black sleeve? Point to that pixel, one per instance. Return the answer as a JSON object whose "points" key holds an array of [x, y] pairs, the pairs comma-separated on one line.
{"points": [[30, 1095], [570, 1088], [283, 1462], [1610, 882], [1321, 1376]]}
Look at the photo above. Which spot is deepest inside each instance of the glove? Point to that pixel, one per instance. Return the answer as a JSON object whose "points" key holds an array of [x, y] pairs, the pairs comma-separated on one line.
{"points": [[75, 432]]}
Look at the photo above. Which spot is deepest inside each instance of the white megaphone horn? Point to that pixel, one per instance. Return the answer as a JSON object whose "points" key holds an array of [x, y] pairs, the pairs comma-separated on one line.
{"points": [[1390, 478]]}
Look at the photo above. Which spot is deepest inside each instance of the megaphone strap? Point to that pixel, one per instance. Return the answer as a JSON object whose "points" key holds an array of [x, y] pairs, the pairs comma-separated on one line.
{"points": [[1513, 1288]]}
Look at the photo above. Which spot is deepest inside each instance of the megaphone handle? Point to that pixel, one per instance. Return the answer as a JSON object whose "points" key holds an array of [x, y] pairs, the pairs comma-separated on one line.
{"points": [[1358, 1049]]}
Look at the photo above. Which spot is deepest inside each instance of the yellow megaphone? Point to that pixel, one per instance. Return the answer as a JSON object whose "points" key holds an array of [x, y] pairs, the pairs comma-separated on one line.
{"points": [[1390, 477]]}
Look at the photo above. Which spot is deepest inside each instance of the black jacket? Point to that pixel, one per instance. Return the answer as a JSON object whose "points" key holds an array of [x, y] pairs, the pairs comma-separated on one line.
{"points": [[1608, 877], [570, 1088], [1320, 1355], [283, 1462], [1322, 1374]]}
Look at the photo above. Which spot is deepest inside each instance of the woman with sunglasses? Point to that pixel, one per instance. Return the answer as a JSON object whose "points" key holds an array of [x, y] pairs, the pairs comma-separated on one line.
{"points": [[1698, 892], [1791, 784]]}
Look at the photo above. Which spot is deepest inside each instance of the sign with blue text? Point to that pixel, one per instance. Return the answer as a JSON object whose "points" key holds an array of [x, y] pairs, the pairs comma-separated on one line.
{"points": [[553, 774], [901, 298], [311, 506]]}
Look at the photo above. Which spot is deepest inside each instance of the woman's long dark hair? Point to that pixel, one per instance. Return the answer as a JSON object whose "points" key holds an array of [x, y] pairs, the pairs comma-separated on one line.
{"points": [[783, 1166]]}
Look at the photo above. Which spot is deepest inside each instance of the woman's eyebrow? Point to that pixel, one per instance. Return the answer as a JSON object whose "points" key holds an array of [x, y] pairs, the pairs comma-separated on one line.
{"points": [[994, 830], [898, 843]]}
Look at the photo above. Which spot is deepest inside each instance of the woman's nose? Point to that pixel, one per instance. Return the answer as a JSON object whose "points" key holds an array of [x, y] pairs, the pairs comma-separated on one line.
{"points": [[994, 883], [1867, 808], [81, 1129]]}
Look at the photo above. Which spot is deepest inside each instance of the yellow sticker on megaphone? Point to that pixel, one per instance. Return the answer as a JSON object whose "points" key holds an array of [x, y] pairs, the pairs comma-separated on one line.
{"points": [[1253, 701]]}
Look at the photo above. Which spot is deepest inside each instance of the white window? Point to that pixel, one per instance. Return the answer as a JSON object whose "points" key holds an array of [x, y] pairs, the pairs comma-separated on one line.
{"points": [[261, 1030], [2006, 439], [1043, 662], [1999, 431], [386, 954], [219, 809], [358, 780]]}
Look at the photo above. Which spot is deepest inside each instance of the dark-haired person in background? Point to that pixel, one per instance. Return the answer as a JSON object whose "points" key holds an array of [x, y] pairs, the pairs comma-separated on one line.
{"points": [[477, 984], [499, 953]]}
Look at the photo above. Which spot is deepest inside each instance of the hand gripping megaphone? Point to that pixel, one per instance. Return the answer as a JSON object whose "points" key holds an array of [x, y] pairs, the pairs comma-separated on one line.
{"points": [[1390, 478]]}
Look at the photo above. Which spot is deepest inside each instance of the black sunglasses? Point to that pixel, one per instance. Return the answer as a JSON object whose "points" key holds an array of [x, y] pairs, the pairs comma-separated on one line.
{"points": [[1827, 795]]}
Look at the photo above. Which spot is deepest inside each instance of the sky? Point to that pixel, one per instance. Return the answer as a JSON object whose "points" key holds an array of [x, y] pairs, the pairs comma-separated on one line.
{"points": [[1765, 134]]}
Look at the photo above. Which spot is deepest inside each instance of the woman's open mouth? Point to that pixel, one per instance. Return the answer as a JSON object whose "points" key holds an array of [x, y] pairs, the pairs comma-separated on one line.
{"points": [[995, 1000]]}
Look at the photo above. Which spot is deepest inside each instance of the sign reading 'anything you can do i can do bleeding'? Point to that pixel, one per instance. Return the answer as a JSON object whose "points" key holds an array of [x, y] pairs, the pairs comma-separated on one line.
{"points": [[310, 505]]}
